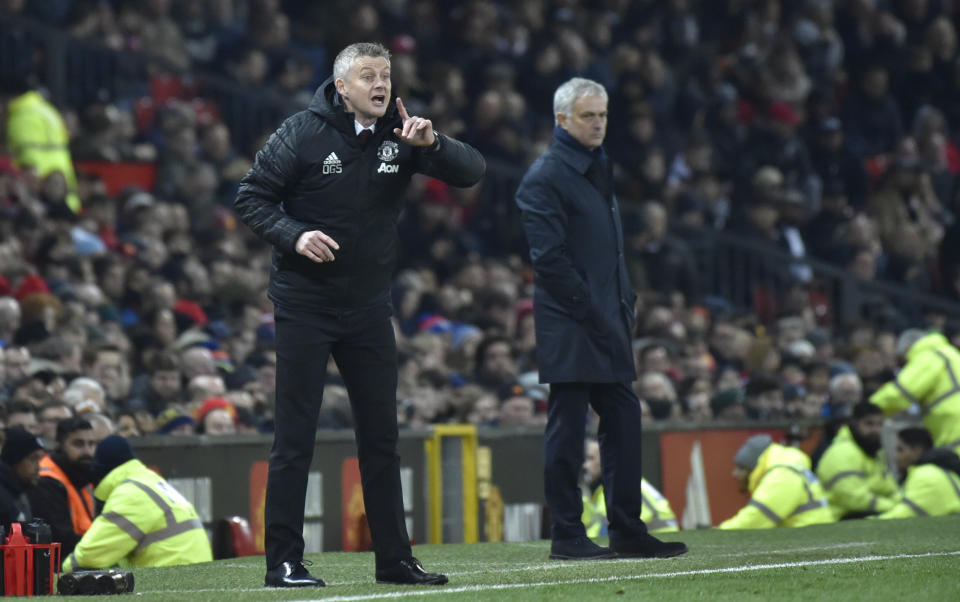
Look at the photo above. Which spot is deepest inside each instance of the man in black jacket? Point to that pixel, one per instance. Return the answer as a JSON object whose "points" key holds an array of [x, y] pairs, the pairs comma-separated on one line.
{"points": [[584, 308], [326, 191], [19, 471]]}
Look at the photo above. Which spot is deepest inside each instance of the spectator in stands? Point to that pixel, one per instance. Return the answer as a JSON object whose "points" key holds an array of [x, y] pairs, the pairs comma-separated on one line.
{"points": [[173, 421], [928, 379], [853, 469], [660, 262], [16, 364], [50, 415], [871, 114], [495, 362], [728, 405], [846, 391], [19, 471], [63, 495], [216, 416], [102, 425], [23, 414], [660, 395], [128, 426], [84, 394], [164, 384], [9, 320], [763, 398], [783, 491], [107, 365], [144, 522], [931, 477]]}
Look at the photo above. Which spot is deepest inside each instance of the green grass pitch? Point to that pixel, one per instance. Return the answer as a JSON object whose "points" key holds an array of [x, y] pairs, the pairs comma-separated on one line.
{"points": [[915, 559]]}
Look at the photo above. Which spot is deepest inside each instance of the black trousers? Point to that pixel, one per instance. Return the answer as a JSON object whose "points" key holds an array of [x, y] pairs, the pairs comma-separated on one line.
{"points": [[619, 438], [363, 345]]}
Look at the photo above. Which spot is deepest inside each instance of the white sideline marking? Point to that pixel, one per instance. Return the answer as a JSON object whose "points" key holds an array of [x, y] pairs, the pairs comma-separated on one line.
{"points": [[565, 565], [733, 569]]}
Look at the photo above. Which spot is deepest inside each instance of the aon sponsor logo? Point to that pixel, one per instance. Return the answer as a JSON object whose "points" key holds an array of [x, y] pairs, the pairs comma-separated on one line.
{"points": [[384, 168]]}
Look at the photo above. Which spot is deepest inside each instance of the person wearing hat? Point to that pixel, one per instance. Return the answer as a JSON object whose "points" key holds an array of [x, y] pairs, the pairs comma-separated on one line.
{"points": [[63, 495], [929, 379], [931, 484], [19, 471], [853, 469], [783, 490], [144, 522], [175, 422], [728, 405]]}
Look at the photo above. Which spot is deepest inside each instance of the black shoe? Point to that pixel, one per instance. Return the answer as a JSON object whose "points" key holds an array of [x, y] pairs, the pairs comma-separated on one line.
{"points": [[645, 546], [578, 548], [409, 572], [291, 574]]}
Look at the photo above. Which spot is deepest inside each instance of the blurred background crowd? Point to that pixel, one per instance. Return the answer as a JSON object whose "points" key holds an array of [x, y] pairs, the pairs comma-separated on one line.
{"points": [[804, 151]]}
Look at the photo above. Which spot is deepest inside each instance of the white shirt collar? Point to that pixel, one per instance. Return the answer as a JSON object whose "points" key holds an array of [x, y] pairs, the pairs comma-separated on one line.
{"points": [[359, 128]]}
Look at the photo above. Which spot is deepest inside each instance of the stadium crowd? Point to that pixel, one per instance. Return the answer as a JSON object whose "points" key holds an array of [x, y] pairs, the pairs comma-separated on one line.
{"points": [[820, 128]]}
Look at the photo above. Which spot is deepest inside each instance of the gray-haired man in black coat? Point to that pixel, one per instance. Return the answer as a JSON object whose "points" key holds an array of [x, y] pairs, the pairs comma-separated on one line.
{"points": [[326, 191], [584, 312]]}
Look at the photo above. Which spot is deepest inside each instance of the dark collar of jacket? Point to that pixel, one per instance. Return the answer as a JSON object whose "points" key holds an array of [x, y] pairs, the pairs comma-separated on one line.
{"points": [[575, 154], [9, 480], [329, 106]]}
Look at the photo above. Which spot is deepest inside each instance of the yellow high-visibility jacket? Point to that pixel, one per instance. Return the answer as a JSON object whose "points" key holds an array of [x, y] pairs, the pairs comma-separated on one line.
{"points": [[145, 522], [783, 493], [854, 481], [931, 379], [37, 137], [655, 512], [929, 490]]}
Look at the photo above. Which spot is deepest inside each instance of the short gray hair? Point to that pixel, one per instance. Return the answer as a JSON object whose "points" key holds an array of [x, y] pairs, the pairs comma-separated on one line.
{"points": [[573, 90], [344, 61]]}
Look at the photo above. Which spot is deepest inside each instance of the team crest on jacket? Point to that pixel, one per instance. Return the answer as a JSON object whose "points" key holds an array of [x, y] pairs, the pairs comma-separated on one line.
{"points": [[388, 151]]}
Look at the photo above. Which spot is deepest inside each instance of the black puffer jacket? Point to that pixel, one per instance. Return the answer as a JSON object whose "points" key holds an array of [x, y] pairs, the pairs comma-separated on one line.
{"points": [[313, 175]]}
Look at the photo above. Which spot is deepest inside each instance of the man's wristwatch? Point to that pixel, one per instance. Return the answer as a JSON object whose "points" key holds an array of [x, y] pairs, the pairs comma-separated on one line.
{"points": [[436, 142]]}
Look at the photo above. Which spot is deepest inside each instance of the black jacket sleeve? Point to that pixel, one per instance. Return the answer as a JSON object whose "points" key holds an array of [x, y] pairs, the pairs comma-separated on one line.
{"points": [[48, 500], [545, 224], [261, 191], [454, 162]]}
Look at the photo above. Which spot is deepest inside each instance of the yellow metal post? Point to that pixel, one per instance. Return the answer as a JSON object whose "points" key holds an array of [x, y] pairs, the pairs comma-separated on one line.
{"points": [[434, 451]]}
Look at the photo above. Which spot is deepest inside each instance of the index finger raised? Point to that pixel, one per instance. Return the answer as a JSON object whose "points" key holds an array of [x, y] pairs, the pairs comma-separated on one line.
{"points": [[403, 111]]}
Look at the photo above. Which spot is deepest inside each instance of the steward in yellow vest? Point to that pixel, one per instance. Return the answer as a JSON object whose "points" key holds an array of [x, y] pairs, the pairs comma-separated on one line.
{"points": [[64, 494], [38, 138], [931, 379], [783, 490], [145, 521], [853, 469], [655, 512], [932, 484]]}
